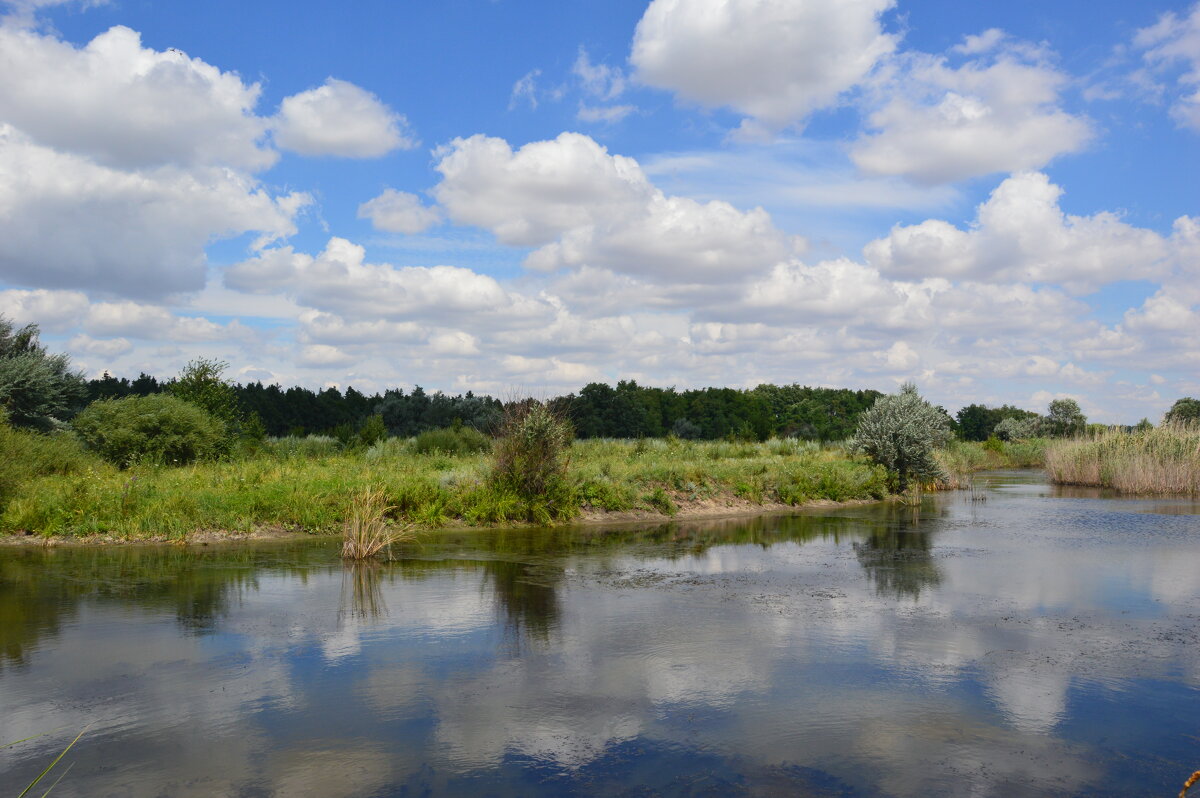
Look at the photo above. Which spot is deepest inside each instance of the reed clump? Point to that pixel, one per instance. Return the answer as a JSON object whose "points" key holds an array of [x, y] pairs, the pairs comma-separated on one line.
{"points": [[368, 530], [1165, 459]]}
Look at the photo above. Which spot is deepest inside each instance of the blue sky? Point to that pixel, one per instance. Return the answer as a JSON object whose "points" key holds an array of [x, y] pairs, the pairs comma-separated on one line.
{"points": [[997, 201]]}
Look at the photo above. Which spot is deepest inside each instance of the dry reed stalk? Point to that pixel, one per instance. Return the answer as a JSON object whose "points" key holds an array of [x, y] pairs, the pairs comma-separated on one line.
{"points": [[1187, 785], [368, 531]]}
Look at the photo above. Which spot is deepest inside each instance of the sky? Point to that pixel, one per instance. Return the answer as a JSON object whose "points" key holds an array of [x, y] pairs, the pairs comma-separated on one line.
{"points": [[997, 201]]}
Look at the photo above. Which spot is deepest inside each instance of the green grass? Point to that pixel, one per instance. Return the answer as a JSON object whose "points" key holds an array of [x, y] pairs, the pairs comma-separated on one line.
{"points": [[960, 459], [311, 487]]}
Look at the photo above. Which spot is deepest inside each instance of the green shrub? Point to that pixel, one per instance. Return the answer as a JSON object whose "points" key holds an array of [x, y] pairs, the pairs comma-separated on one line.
{"points": [[901, 432], [660, 500], [36, 388], [530, 458], [452, 441], [150, 429]]}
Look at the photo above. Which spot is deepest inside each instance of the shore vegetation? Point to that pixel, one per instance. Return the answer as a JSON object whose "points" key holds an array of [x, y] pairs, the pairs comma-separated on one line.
{"points": [[1158, 460]]}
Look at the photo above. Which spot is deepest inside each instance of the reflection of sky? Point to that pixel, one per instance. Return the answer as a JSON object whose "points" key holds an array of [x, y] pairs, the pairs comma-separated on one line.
{"points": [[976, 654]]}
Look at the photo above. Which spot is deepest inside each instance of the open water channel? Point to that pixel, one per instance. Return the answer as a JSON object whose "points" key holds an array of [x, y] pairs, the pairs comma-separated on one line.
{"points": [[1018, 640]]}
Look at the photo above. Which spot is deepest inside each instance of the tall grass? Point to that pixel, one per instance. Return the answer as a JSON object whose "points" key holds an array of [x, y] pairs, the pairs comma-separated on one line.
{"points": [[315, 493], [368, 530], [1165, 459]]}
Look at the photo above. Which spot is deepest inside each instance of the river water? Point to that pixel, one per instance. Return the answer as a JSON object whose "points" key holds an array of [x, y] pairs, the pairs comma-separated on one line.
{"points": [[1015, 640]]}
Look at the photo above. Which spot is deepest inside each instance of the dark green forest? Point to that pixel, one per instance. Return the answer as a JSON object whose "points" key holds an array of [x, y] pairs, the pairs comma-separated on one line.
{"points": [[598, 410]]}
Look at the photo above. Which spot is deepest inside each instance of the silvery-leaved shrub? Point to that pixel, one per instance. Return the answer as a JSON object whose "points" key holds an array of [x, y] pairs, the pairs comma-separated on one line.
{"points": [[901, 431]]}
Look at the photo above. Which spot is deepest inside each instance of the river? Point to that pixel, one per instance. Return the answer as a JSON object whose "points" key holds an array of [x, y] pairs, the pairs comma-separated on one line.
{"points": [[1012, 640]]}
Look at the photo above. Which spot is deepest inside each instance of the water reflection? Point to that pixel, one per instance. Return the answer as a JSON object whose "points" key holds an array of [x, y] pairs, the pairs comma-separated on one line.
{"points": [[1028, 645]]}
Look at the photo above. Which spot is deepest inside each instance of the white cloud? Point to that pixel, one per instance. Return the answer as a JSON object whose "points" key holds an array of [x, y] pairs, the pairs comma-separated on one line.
{"points": [[525, 90], [1021, 235], [341, 119], [935, 123], [156, 323], [774, 60], [51, 310], [608, 114], [1173, 40], [128, 106], [339, 280], [599, 80], [980, 43], [586, 207], [99, 347], [137, 233], [398, 212]]}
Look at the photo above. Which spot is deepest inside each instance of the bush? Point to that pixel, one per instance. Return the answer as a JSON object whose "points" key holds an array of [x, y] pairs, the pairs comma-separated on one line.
{"points": [[202, 383], [901, 432], [1018, 429], [150, 429], [452, 441], [530, 454]]}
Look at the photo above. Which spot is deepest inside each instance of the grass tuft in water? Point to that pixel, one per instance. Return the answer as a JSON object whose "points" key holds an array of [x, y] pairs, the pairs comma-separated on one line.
{"points": [[368, 529]]}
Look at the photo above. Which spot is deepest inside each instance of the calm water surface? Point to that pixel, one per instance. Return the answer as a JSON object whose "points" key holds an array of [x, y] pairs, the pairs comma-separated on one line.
{"points": [[1040, 642]]}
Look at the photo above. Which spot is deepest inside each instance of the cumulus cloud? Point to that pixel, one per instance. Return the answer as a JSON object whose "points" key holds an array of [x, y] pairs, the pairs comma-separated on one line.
{"points": [[936, 123], [1022, 235], [339, 280], [585, 207], [51, 310], [398, 212], [139, 233], [1174, 40], [128, 106], [339, 118], [773, 60]]}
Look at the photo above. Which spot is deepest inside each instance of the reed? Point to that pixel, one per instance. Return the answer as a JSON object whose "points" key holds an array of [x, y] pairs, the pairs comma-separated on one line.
{"points": [[368, 530], [1162, 460]]}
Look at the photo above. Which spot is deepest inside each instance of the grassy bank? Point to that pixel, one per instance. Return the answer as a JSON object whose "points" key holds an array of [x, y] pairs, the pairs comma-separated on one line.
{"points": [[1161, 460], [309, 486], [960, 459]]}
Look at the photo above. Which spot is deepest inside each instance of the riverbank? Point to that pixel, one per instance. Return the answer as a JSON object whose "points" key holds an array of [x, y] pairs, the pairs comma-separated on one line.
{"points": [[298, 491]]}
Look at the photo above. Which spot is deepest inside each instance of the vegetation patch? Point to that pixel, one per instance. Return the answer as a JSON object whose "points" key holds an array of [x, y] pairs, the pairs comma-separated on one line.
{"points": [[1164, 460]]}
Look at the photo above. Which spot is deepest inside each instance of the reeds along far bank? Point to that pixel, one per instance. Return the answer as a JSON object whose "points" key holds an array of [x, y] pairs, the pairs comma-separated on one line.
{"points": [[1161, 460]]}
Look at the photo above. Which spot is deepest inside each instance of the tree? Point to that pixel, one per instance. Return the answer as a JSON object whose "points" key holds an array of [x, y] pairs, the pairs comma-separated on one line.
{"points": [[1015, 429], [157, 428], [1185, 410], [202, 383], [37, 389], [900, 432], [1064, 418]]}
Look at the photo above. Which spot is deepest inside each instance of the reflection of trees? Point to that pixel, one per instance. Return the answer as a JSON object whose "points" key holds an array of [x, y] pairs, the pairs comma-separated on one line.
{"points": [[897, 555], [43, 588], [527, 596]]}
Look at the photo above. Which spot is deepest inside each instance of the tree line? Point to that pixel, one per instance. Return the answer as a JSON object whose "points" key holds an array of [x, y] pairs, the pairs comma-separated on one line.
{"points": [[598, 410]]}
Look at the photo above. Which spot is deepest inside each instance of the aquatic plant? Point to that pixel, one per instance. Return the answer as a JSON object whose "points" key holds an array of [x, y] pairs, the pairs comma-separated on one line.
{"points": [[368, 530], [1165, 459]]}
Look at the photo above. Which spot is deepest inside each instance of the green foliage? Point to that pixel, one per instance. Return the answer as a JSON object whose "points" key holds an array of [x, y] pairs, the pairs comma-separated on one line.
{"points": [[373, 430], [1184, 411], [452, 441], [26, 455], [157, 429], [308, 446], [530, 456], [202, 383], [660, 500], [980, 422], [994, 444], [901, 431], [1064, 418], [1017, 429], [36, 388]]}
